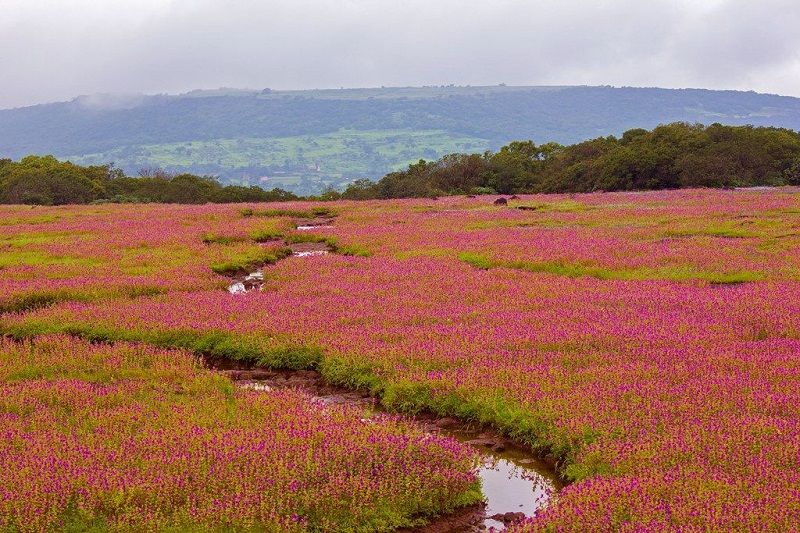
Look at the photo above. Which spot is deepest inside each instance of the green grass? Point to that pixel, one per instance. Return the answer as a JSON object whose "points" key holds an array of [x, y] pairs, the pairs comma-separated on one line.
{"points": [[15, 257], [142, 260], [277, 353], [291, 213], [33, 220], [732, 277], [338, 153], [476, 260], [212, 238], [575, 270], [39, 299], [26, 239], [561, 206], [356, 250], [243, 262], [269, 230], [20, 249], [265, 234], [724, 231]]}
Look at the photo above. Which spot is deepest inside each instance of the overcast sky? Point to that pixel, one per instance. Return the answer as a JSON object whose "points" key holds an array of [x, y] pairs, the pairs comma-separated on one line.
{"points": [[57, 49]]}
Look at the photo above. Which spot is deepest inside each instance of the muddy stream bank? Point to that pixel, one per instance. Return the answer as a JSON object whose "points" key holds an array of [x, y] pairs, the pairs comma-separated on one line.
{"points": [[515, 482], [255, 280]]}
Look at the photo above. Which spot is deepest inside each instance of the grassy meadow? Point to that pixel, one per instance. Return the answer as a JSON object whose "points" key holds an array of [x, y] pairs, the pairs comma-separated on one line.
{"points": [[342, 154], [646, 344]]}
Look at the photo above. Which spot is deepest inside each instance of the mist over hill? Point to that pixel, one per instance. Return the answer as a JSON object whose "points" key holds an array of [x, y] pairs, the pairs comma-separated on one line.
{"points": [[305, 140]]}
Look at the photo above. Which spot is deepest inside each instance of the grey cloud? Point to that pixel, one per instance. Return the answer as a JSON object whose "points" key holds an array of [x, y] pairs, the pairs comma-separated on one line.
{"points": [[52, 50]]}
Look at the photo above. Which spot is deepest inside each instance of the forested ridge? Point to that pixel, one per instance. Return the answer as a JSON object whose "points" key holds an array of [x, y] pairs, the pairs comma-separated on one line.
{"points": [[306, 140], [670, 156], [498, 114]]}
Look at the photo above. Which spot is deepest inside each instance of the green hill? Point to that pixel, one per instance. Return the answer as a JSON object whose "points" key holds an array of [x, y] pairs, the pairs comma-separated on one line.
{"points": [[305, 140]]}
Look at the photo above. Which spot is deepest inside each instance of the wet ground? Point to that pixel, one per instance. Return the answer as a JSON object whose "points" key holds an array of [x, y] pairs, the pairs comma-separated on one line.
{"points": [[255, 280], [305, 224], [514, 481], [303, 249]]}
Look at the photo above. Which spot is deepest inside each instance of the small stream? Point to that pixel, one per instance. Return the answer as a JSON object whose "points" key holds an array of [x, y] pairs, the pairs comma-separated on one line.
{"points": [[308, 228], [515, 483], [251, 281], [307, 224], [255, 280]]}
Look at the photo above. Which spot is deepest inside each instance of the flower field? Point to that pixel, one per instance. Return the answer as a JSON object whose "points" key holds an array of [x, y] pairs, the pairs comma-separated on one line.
{"points": [[648, 344], [132, 437]]}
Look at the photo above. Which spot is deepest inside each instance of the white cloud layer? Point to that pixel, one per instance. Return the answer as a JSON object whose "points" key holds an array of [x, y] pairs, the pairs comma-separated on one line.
{"points": [[56, 49]]}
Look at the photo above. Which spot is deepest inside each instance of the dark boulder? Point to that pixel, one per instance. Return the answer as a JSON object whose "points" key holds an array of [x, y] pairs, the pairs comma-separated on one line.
{"points": [[447, 422], [508, 518], [238, 375], [482, 441]]}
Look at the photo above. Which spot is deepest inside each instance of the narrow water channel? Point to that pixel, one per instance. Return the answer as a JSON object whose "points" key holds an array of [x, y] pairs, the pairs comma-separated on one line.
{"points": [[309, 228], [255, 280], [515, 483]]}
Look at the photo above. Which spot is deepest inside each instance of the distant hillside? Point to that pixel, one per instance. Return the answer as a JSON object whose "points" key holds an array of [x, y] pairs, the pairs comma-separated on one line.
{"points": [[304, 140]]}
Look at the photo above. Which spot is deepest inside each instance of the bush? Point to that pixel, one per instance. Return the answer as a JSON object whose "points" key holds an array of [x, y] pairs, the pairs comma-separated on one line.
{"points": [[48, 181]]}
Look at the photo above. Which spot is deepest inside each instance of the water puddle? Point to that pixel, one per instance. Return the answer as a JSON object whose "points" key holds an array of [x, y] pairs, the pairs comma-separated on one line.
{"points": [[305, 249], [257, 386], [255, 280], [515, 483], [306, 224], [307, 228], [310, 253], [252, 281]]}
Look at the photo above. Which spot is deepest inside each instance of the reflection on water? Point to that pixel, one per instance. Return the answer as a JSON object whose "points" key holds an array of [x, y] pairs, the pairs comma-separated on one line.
{"points": [[306, 228], [511, 488], [255, 280], [512, 478], [514, 482], [310, 253], [255, 385], [252, 281]]}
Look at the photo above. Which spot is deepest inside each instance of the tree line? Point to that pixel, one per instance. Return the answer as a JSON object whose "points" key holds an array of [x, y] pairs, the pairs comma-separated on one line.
{"points": [[45, 180], [670, 156]]}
